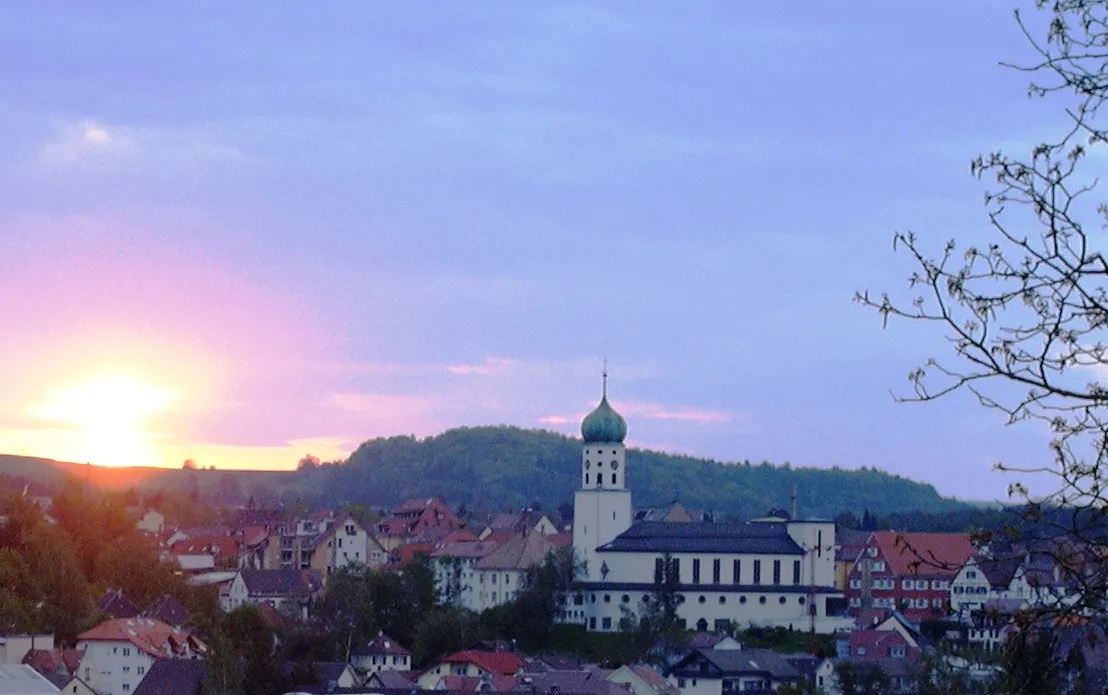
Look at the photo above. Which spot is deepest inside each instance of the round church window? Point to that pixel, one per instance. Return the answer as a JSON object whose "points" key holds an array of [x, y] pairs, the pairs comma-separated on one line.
{"points": [[615, 465]]}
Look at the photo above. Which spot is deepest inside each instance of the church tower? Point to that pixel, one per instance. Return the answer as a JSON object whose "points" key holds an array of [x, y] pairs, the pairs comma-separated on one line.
{"points": [[602, 505]]}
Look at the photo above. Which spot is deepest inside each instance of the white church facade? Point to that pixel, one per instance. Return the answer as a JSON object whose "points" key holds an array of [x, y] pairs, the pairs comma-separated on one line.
{"points": [[767, 572]]}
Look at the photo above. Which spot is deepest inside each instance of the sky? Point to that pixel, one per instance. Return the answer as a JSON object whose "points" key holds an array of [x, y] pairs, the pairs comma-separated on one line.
{"points": [[245, 232]]}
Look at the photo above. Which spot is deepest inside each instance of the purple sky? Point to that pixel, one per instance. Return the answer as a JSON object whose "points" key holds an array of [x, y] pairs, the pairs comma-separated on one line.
{"points": [[299, 227]]}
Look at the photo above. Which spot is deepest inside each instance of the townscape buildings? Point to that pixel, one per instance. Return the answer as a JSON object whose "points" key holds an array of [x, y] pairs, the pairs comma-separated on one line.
{"points": [[873, 591]]}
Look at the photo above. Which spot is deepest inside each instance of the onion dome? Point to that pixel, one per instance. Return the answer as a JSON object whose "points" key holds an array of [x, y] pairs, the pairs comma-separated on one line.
{"points": [[604, 424]]}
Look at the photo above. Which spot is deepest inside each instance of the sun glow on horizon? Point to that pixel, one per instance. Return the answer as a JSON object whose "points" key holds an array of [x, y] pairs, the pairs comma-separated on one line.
{"points": [[109, 414]]}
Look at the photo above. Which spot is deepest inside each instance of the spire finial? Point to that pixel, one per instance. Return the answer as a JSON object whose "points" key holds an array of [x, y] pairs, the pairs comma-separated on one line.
{"points": [[604, 375]]}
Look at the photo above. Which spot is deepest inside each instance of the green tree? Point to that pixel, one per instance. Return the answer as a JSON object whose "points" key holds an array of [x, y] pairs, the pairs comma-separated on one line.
{"points": [[528, 619], [253, 643], [20, 596], [443, 631], [860, 678]]}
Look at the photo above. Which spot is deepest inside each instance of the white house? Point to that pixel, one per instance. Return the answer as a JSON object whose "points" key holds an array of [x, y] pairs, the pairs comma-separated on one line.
{"points": [[124, 650], [382, 653], [498, 577], [715, 672], [232, 588], [771, 572], [453, 569], [983, 578]]}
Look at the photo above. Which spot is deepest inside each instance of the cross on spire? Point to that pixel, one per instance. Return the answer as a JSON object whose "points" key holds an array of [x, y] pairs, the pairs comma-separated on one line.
{"points": [[605, 378]]}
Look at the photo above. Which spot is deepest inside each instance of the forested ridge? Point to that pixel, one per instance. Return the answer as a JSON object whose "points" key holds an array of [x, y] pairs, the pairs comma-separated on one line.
{"points": [[502, 467], [508, 467]]}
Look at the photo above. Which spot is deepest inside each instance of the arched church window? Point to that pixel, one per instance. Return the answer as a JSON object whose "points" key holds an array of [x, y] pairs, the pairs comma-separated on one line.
{"points": [[586, 465], [586, 479], [761, 599], [702, 625], [702, 599], [781, 600], [742, 599], [613, 478], [722, 600]]}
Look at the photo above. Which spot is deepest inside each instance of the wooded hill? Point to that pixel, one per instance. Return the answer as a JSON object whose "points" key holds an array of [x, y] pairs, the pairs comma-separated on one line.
{"points": [[496, 468]]}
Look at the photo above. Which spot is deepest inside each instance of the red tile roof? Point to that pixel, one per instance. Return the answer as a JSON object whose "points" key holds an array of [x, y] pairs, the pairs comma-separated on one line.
{"points": [[151, 636], [217, 546], [505, 663], [54, 660], [927, 554], [500, 683]]}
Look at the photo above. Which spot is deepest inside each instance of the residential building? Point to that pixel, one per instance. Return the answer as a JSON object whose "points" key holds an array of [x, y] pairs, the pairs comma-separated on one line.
{"points": [[382, 653], [471, 663], [520, 523], [715, 672], [168, 610], [18, 679], [909, 572], [232, 588], [765, 572], [173, 677], [344, 544], [498, 577], [641, 680], [453, 564], [115, 605], [13, 648], [283, 589], [898, 673], [125, 649], [424, 519]]}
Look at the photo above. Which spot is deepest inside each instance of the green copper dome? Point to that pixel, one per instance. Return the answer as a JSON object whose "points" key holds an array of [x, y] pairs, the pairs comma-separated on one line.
{"points": [[604, 425]]}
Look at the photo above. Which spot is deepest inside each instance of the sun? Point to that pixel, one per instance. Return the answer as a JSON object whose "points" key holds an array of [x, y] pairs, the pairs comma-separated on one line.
{"points": [[108, 414]]}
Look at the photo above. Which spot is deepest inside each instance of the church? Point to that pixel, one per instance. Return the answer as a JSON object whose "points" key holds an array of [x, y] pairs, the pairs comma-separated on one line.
{"points": [[766, 572]]}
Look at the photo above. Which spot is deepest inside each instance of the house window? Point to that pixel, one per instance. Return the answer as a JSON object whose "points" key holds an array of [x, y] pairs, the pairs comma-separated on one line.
{"points": [[126, 687], [126, 651], [855, 583], [658, 563], [796, 571], [592, 623], [126, 669], [757, 571], [861, 651], [736, 567], [494, 596], [907, 584], [675, 568], [715, 571], [879, 566], [680, 682], [493, 579], [696, 570], [897, 652], [606, 624], [776, 571], [970, 574]]}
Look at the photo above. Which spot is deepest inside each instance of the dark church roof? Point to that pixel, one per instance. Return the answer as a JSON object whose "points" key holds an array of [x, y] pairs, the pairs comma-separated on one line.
{"points": [[677, 537]]}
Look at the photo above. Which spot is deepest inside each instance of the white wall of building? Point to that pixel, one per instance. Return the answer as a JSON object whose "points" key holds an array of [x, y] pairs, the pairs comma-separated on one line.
{"points": [[120, 665]]}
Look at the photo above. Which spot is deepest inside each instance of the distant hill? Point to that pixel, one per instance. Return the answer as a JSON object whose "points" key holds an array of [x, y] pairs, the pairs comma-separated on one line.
{"points": [[507, 467], [498, 467]]}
